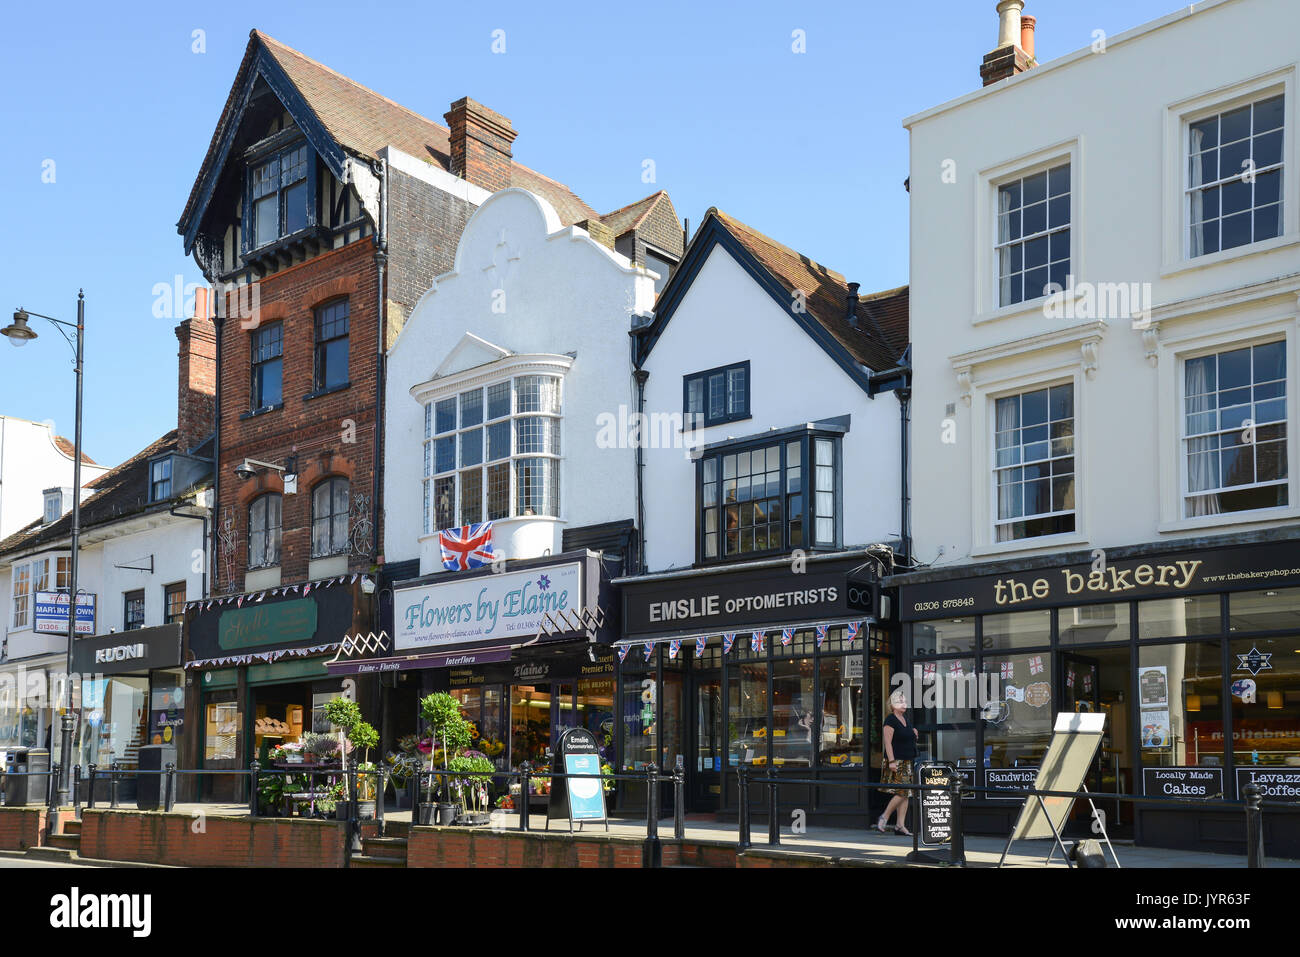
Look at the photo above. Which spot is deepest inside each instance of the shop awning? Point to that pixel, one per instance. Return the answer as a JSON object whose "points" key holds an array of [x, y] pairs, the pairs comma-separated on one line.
{"points": [[742, 632]]}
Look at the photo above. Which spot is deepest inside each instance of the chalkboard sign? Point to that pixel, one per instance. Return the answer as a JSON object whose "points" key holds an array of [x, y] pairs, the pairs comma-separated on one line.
{"points": [[579, 798], [936, 806]]}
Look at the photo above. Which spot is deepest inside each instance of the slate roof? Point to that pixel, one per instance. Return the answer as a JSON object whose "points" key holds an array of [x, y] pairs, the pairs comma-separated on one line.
{"points": [[362, 122], [875, 343], [120, 493], [621, 221]]}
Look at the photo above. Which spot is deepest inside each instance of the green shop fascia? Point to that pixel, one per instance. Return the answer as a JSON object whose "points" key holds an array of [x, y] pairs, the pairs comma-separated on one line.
{"points": [[256, 678]]}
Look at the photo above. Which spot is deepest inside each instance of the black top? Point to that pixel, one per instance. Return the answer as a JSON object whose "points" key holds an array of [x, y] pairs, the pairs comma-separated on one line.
{"points": [[904, 743]]}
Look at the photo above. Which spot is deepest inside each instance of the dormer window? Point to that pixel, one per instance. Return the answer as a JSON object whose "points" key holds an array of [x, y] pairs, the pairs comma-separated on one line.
{"points": [[53, 505], [279, 196], [160, 480]]}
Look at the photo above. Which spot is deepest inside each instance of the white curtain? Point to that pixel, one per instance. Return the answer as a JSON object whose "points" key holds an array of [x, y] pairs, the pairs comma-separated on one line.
{"points": [[1008, 418], [1004, 254], [1202, 453], [1196, 211]]}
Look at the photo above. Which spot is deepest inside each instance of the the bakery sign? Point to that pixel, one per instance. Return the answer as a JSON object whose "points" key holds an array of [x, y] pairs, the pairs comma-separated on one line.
{"points": [[1102, 579]]}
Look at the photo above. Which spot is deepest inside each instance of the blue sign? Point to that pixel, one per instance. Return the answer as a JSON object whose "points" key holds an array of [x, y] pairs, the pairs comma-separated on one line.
{"points": [[51, 613], [586, 796]]}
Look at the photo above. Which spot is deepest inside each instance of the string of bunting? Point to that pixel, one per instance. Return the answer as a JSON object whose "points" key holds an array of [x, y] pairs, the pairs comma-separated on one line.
{"points": [[253, 597], [266, 657], [757, 641]]}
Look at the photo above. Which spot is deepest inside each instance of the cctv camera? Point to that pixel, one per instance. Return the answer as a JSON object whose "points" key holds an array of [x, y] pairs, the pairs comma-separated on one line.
{"points": [[245, 471]]}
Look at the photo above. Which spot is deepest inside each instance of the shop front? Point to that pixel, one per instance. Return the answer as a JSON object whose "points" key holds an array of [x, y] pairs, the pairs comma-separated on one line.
{"points": [[132, 696], [255, 675], [526, 651], [1193, 655], [766, 666]]}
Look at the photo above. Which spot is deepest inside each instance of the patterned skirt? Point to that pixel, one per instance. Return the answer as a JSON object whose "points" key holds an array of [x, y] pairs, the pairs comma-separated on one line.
{"points": [[899, 775]]}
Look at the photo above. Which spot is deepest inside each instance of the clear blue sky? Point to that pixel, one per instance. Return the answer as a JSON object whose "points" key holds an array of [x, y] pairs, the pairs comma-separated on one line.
{"points": [[808, 148]]}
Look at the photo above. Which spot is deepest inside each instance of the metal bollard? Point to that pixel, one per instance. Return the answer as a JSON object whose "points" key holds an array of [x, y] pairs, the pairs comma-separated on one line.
{"points": [[523, 796], [742, 798], [679, 802], [1254, 826], [957, 848], [652, 855], [113, 770], [76, 789], [255, 788], [169, 788], [90, 788], [773, 811], [51, 786], [380, 790]]}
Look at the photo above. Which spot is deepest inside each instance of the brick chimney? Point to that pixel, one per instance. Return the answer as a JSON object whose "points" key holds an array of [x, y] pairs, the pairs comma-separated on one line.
{"points": [[197, 375], [1010, 57], [480, 144], [598, 231]]}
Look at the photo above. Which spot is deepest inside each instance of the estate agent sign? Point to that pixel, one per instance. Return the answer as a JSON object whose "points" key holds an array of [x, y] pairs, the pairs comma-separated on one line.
{"points": [[51, 613]]}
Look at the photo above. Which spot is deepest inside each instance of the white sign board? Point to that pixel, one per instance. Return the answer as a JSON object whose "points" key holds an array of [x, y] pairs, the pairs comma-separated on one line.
{"points": [[504, 608]]}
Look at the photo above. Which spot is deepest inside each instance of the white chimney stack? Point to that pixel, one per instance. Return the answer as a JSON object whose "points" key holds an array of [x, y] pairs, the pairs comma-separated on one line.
{"points": [[1009, 23]]}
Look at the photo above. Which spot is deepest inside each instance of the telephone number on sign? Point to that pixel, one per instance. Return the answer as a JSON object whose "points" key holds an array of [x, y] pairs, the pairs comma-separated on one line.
{"points": [[946, 603]]}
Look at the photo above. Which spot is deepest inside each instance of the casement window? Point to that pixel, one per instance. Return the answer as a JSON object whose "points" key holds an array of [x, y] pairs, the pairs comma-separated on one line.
{"points": [[332, 345], [329, 518], [264, 531], [1033, 235], [160, 480], [132, 610], [716, 396], [493, 453], [53, 507], [22, 595], [279, 196], [1034, 463], [1234, 177], [268, 362], [63, 573], [1235, 430], [768, 498], [174, 602]]}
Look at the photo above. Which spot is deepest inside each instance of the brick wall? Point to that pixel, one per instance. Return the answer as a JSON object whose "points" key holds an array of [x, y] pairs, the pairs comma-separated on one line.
{"points": [[196, 379], [21, 827], [157, 838], [661, 229], [473, 847], [332, 435]]}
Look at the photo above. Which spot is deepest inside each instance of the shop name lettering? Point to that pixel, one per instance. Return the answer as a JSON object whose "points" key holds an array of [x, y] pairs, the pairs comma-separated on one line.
{"points": [[1108, 580], [707, 606], [516, 602], [120, 653]]}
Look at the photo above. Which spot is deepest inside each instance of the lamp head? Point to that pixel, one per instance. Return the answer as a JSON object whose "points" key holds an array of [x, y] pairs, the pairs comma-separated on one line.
{"points": [[245, 471], [19, 332]]}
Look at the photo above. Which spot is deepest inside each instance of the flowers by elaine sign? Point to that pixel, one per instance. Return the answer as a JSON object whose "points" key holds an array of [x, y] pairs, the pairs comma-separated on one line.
{"points": [[483, 607]]}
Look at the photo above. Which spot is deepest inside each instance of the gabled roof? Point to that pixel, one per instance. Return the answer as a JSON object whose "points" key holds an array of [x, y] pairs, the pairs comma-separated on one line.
{"points": [[120, 493], [69, 448], [814, 296], [621, 221], [339, 115]]}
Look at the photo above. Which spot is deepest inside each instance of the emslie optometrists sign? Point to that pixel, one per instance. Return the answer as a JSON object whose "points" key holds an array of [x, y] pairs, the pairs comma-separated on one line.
{"points": [[1262, 565]]}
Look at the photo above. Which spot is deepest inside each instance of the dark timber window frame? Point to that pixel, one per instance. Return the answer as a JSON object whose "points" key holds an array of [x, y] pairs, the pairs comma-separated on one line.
{"points": [[332, 325], [174, 609], [267, 535], [266, 349], [729, 413], [278, 173], [794, 488], [337, 539], [133, 610]]}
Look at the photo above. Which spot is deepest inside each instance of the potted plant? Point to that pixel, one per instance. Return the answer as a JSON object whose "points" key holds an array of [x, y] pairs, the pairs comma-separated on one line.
{"points": [[448, 734], [365, 737], [472, 774]]}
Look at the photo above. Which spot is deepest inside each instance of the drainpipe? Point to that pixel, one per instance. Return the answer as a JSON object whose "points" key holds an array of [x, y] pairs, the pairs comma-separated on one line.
{"points": [[905, 497], [203, 591], [641, 375], [377, 464], [219, 321]]}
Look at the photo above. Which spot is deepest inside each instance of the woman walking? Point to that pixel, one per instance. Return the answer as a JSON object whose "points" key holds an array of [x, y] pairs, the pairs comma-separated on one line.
{"points": [[900, 751]]}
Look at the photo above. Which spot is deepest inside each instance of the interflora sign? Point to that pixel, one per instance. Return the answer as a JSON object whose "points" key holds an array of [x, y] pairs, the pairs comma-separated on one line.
{"points": [[51, 613], [488, 607], [1167, 576]]}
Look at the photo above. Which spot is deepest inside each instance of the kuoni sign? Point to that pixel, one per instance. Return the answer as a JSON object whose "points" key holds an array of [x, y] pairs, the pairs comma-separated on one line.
{"points": [[484, 607]]}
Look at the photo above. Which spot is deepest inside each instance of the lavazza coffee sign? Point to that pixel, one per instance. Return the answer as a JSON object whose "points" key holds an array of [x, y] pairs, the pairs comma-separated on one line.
{"points": [[1245, 566]]}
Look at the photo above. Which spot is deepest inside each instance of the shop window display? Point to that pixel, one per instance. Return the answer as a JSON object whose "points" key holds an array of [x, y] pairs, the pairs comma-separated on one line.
{"points": [[639, 701], [748, 732], [113, 721], [223, 724], [793, 712], [841, 732], [530, 724], [1265, 701], [1180, 706], [1018, 720]]}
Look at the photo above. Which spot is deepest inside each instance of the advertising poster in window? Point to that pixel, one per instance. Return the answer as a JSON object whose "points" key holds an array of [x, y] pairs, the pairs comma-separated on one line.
{"points": [[1153, 687], [1155, 729]]}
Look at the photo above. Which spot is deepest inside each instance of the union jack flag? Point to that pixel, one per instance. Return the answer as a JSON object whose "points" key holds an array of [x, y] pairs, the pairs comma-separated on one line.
{"points": [[1087, 683], [674, 647], [469, 546], [1008, 669], [622, 652], [1036, 665], [649, 649], [853, 630], [728, 639], [821, 635], [787, 635], [955, 669], [1069, 679], [756, 642], [699, 645], [928, 671]]}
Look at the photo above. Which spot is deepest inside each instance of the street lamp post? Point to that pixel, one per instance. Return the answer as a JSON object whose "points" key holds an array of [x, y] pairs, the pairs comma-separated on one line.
{"points": [[19, 335]]}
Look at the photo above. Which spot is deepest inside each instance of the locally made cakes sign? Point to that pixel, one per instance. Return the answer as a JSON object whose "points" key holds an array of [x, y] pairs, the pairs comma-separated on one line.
{"points": [[501, 607]]}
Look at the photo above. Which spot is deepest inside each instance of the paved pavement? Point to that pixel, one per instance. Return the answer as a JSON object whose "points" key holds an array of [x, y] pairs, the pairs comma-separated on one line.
{"points": [[17, 860], [849, 843]]}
